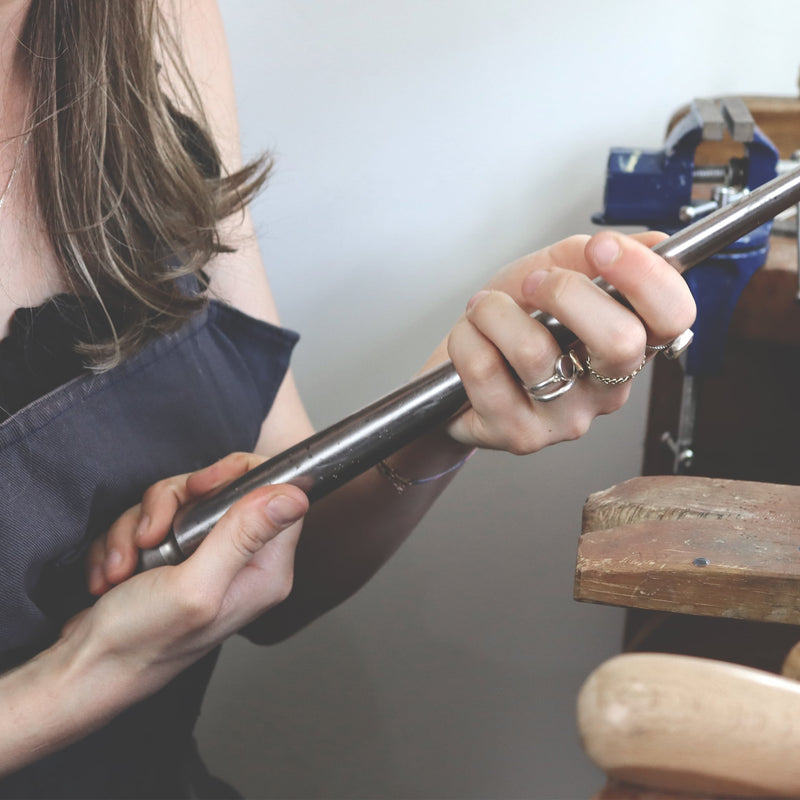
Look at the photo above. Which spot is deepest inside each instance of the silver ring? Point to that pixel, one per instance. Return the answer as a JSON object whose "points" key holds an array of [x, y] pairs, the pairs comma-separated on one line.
{"points": [[567, 370], [674, 348], [613, 381]]}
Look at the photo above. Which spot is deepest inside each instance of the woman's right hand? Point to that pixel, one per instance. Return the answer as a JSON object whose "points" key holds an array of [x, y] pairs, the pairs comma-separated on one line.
{"points": [[141, 634], [114, 556], [153, 625]]}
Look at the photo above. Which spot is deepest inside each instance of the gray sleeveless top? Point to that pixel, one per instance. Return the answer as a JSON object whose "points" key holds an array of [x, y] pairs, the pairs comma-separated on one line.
{"points": [[70, 462]]}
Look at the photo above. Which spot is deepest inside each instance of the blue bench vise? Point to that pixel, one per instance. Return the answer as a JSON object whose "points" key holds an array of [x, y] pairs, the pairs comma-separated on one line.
{"points": [[659, 190]]}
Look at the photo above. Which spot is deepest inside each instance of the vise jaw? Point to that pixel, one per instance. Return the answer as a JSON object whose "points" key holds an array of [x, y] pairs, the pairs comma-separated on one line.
{"points": [[650, 187]]}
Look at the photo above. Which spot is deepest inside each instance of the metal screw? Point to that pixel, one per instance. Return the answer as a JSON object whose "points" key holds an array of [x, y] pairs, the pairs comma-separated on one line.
{"points": [[701, 562]]}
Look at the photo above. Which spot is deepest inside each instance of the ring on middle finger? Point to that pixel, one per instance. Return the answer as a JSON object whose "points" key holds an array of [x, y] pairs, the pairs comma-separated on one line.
{"points": [[609, 381]]}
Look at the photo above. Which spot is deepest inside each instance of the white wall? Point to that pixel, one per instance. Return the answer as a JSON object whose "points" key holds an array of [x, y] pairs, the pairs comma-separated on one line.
{"points": [[420, 145]]}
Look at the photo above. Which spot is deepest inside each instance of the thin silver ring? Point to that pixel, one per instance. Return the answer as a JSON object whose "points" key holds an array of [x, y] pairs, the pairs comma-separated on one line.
{"points": [[674, 348], [567, 369]]}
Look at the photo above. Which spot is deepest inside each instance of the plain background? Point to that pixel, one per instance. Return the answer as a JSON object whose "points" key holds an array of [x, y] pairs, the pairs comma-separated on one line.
{"points": [[420, 145]]}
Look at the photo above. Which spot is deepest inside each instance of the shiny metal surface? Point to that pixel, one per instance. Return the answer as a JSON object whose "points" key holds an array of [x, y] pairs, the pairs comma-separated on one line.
{"points": [[334, 456], [328, 459]]}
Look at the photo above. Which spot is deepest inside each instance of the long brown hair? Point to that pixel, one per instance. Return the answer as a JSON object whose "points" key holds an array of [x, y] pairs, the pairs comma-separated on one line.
{"points": [[129, 188]]}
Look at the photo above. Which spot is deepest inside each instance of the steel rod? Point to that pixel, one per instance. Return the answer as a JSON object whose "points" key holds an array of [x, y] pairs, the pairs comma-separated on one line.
{"points": [[334, 456]]}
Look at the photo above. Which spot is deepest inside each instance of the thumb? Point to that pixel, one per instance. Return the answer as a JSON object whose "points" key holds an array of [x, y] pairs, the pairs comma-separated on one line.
{"points": [[244, 529]]}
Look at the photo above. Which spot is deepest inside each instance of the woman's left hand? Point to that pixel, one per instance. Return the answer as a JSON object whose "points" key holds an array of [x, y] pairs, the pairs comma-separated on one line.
{"points": [[498, 349]]}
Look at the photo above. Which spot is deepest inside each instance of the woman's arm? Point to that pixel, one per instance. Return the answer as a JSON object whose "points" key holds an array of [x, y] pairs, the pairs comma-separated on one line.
{"points": [[496, 347], [139, 636], [351, 533]]}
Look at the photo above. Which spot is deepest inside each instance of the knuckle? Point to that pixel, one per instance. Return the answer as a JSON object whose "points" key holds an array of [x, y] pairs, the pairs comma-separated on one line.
{"points": [[454, 340], [615, 400], [577, 425], [649, 262], [283, 585], [536, 358], [626, 341], [238, 460], [152, 492], [524, 437], [563, 249], [523, 443], [561, 283], [278, 574], [197, 609], [687, 314], [249, 537], [481, 369]]}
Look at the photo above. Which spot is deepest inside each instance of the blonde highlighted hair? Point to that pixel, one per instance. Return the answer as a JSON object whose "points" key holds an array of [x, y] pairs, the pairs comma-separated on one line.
{"points": [[129, 188]]}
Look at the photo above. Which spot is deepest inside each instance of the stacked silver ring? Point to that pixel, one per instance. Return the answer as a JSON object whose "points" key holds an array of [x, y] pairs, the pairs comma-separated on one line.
{"points": [[568, 369]]}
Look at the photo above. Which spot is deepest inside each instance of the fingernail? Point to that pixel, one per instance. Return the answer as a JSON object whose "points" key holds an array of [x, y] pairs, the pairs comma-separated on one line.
{"points": [[476, 298], [113, 559], [605, 250], [532, 281], [283, 510], [141, 528]]}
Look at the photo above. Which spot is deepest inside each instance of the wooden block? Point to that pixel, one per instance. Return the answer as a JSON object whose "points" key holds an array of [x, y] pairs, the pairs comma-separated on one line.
{"points": [[679, 724], [666, 497], [700, 546]]}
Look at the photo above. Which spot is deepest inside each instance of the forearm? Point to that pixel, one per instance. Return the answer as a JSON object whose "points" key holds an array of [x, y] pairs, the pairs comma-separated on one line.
{"points": [[53, 700], [350, 534]]}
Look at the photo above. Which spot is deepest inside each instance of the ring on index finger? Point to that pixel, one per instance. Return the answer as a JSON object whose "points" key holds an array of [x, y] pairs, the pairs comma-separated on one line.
{"points": [[567, 370]]}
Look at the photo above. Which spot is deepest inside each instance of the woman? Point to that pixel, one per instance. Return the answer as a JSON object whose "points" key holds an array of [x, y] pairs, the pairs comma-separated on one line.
{"points": [[142, 343]]}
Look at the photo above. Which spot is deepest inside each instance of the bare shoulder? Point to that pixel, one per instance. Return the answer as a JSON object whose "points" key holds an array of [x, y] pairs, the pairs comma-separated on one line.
{"points": [[196, 27], [238, 277]]}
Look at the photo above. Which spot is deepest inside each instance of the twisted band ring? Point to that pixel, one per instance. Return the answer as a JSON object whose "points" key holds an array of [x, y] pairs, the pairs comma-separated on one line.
{"points": [[613, 381]]}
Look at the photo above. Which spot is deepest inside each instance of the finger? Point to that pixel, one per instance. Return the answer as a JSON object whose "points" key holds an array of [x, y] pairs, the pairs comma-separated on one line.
{"points": [[525, 343], [163, 499], [247, 526], [649, 238], [95, 572], [612, 334], [657, 292], [159, 505], [111, 559], [221, 472], [568, 253], [500, 410], [121, 550]]}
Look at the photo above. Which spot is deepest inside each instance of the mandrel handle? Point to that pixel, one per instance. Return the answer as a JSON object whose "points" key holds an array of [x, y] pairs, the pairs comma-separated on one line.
{"points": [[325, 461]]}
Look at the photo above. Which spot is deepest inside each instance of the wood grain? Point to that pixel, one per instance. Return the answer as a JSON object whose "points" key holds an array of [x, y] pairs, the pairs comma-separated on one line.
{"points": [[699, 546], [680, 724]]}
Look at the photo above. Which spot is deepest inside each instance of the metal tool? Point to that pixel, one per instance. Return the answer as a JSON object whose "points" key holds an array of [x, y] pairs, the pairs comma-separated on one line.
{"points": [[334, 456]]}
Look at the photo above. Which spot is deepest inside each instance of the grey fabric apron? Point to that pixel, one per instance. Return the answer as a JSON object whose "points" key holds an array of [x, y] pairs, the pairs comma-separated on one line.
{"points": [[70, 463]]}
